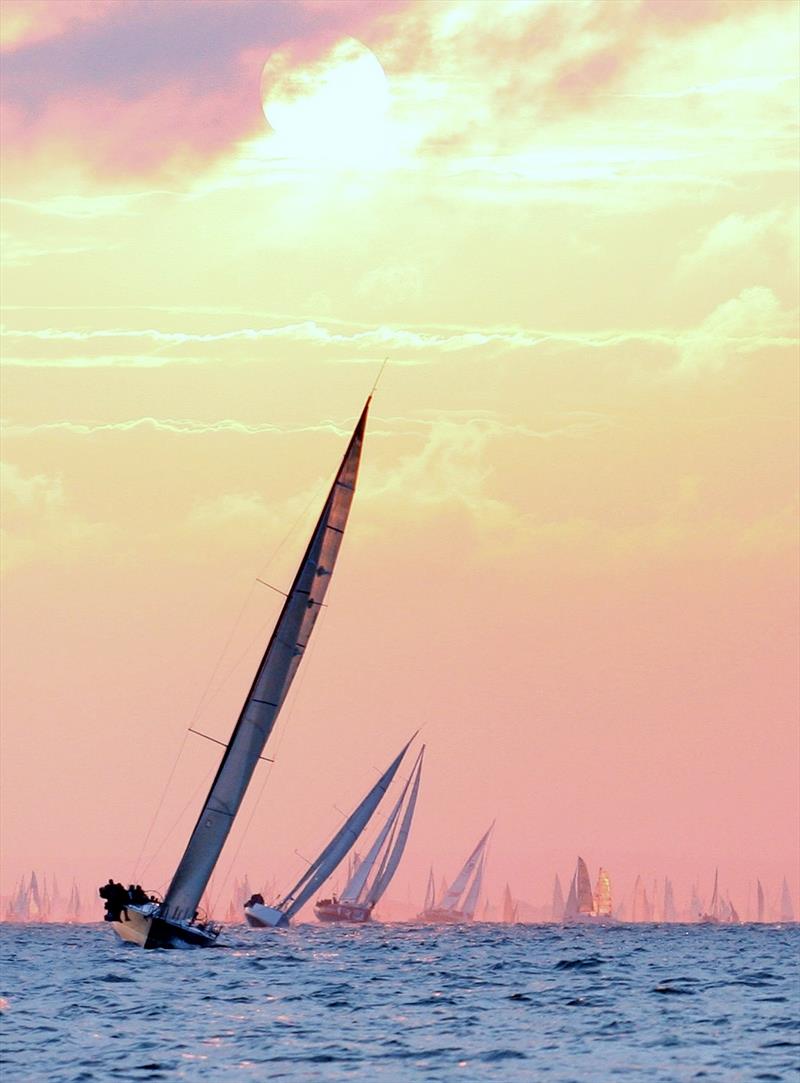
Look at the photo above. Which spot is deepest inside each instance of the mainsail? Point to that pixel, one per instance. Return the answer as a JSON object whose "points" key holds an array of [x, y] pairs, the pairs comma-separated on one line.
{"points": [[339, 846], [509, 909], [268, 691], [670, 912], [471, 901], [584, 889], [760, 896]]}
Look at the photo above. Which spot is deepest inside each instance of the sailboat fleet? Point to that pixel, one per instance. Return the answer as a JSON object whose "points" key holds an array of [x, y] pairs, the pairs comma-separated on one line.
{"points": [[177, 919]]}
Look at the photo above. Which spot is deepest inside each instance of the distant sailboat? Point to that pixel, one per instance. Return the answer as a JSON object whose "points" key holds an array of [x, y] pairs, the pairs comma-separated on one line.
{"points": [[787, 910], [557, 911], [670, 911], [74, 905], [720, 911], [363, 890], [176, 921], [510, 908], [602, 893], [760, 901], [260, 916], [458, 901], [430, 892]]}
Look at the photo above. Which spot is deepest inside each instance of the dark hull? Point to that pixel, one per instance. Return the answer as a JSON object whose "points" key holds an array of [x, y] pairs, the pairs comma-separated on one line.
{"points": [[330, 911]]}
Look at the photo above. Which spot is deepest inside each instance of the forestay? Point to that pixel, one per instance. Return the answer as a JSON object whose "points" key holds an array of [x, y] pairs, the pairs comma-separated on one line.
{"points": [[269, 689]]}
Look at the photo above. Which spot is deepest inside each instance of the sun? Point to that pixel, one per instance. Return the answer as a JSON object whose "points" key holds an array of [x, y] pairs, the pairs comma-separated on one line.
{"points": [[333, 107]]}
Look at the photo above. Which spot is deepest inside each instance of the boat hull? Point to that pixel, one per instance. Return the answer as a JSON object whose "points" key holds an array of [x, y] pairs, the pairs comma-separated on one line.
{"points": [[328, 911], [147, 929], [259, 916]]}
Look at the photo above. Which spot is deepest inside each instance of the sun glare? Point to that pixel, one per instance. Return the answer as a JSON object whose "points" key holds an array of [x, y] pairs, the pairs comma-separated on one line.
{"points": [[333, 108]]}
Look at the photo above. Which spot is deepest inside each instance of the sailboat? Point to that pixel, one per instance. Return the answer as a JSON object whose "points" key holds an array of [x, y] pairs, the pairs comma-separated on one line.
{"points": [[459, 902], [580, 904], [760, 902], [510, 909], [430, 892], [670, 912], [557, 913], [719, 911], [363, 890], [176, 921], [260, 916]]}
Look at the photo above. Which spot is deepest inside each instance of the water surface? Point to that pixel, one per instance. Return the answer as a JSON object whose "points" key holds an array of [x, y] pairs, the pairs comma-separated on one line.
{"points": [[402, 1002]]}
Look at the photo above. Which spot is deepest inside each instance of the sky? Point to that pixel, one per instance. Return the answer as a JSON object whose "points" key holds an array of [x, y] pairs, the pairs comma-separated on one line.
{"points": [[572, 229]]}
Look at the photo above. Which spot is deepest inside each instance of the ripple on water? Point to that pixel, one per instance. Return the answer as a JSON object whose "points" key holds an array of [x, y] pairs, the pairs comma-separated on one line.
{"points": [[403, 1003]]}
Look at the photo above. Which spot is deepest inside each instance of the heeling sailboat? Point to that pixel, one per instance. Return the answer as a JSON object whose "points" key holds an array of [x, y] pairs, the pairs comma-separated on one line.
{"points": [[451, 908], [363, 890], [175, 921], [260, 916]]}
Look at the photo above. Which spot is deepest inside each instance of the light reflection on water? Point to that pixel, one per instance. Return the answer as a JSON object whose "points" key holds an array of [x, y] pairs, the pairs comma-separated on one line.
{"points": [[402, 1002]]}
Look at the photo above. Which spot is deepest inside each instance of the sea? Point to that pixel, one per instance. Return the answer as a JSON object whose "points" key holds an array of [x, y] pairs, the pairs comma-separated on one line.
{"points": [[405, 1002]]}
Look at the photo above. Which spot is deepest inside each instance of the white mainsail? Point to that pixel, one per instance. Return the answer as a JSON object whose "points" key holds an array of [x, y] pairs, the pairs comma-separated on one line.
{"points": [[473, 895], [340, 845], [268, 691], [456, 890], [389, 867]]}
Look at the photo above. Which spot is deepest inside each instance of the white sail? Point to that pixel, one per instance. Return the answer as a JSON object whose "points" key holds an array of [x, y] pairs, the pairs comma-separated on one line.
{"points": [[760, 896], [715, 908], [473, 895], [340, 845], [509, 910], [268, 691], [456, 889], [389, 868], [584, 889], [670, 913], [357, 882]]}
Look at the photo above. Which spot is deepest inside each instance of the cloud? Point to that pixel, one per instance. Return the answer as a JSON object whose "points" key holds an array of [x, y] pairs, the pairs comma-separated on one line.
{"points": [[38, 523], [137, 88], [742, 325]]}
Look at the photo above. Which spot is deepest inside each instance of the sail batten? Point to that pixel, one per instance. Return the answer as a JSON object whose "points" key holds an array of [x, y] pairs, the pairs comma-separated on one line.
{"points": [[268, 691]]}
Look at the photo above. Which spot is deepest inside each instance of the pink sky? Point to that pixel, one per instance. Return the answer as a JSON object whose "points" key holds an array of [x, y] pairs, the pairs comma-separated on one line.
{"points": [[573, 555]]}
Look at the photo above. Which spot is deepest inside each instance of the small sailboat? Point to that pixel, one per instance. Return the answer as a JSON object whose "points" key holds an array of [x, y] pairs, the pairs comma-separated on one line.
{"points": [[670, 911], [510, 908], [430, 892], [260, 916], [720, 911], [177, 921], [363, 890], [458, 902], [760, 902]]}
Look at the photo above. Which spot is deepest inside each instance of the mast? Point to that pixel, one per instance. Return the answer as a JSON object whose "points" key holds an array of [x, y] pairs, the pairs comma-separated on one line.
{"points": [[268, 690]]}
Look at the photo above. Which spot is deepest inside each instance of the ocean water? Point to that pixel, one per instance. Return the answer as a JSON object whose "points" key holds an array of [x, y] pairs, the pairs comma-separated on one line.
{"points": [[402, 1002]]}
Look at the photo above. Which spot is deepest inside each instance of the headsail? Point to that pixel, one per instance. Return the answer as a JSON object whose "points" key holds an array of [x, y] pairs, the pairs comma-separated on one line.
{"points": [[584, 889], [268, 691], [339, 846], [473, 895]]}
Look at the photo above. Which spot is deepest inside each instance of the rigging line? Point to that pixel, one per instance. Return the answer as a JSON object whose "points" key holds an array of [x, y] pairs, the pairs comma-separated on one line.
{"points": [[377, 378], [198, 789], [154, 817]]}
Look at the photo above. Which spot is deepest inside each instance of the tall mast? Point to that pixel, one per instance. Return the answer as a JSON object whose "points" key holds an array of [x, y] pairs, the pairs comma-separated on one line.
{"points": [[268, 690]]}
